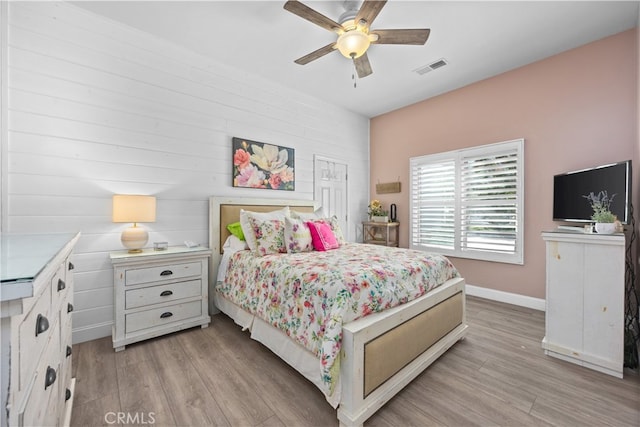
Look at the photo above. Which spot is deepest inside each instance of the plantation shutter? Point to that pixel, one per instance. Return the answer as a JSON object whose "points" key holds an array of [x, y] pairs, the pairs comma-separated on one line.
{"points": [[469, 203], [433, 207], [488, 202]]}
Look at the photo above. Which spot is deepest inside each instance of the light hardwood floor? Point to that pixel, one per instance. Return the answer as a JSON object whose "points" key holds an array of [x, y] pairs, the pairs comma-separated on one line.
{"points": [[497, 376]]}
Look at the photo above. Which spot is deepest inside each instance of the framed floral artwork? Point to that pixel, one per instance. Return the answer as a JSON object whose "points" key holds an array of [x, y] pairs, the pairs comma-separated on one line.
{"points": [[262, 165]]}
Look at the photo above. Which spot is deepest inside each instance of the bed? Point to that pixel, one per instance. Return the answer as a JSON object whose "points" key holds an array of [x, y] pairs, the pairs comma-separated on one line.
{"points": [[368, 370]]}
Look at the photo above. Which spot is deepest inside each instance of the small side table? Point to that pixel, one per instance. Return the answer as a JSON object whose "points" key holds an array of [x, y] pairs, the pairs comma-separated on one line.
{"points": [[158, 292], [380, 233]]}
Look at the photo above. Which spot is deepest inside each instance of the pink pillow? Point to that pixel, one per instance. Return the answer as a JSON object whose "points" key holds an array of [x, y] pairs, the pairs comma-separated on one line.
{"points": [[322, 237]]}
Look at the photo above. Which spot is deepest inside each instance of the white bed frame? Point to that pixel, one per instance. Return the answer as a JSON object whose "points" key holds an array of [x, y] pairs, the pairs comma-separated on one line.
{"points": [[367, 337]]}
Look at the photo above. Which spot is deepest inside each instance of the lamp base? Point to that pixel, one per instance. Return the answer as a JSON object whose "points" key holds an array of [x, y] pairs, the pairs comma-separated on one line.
{"points": [[134, 238]]}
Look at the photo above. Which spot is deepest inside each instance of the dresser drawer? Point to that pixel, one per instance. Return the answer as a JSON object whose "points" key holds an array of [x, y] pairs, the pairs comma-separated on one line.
{"points": [[42, 398], [34, 332], [161, 316], [163, 293], [59, 287], [65, 377], [66, 312], [162, 272], [65, 352]]}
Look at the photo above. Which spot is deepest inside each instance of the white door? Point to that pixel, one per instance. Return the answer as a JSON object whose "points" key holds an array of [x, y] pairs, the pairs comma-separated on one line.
{"points": [[330, 189]]}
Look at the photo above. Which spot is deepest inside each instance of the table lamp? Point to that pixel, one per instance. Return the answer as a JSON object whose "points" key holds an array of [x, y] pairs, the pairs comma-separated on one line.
{"points": [[135, 209]]}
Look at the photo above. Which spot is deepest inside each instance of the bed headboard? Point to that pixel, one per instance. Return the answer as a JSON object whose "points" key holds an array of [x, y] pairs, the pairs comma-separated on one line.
{"points": [[225, 210]]}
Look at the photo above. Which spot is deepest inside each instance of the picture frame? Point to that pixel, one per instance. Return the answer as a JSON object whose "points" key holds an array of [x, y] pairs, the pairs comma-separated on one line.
{"points": [[262, 165]]}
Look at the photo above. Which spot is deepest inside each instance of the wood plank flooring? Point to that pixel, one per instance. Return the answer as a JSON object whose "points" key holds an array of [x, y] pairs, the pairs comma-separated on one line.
{"points": [[218, 376]]}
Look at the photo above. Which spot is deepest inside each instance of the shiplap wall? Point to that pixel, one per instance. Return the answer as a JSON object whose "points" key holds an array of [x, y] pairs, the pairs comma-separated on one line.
{"points": [[97, 108]]}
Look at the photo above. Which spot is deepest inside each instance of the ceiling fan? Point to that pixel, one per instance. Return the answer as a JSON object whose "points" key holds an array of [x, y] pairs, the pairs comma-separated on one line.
{"points": [[354, 32]]}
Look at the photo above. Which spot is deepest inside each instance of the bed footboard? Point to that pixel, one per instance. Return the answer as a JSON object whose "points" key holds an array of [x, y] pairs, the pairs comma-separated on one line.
{"points": [[381, 354]]}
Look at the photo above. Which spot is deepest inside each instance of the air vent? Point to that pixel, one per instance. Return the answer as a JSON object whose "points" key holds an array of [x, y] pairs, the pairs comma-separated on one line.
{"points": [[430, 67]]}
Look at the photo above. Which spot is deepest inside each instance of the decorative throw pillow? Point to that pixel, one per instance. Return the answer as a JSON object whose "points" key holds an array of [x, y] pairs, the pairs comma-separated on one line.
{"points": [[247, 229], [317, 216], [269, 235], [236, 229], [335, 227], [322, 237], [297, 236]]}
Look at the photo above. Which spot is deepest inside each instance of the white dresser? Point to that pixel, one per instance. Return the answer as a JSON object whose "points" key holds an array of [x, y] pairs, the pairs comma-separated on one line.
{"points": [[585, 299], [36, 303], [158, 292]]}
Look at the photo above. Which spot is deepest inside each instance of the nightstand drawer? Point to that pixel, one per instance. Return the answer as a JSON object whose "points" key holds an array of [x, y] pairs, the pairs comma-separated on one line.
{"points": [[163, 272], [163, 315], [163, 293]]}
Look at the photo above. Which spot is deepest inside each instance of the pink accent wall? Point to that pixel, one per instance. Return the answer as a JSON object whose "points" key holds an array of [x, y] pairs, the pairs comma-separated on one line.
{"points": [[575, 110]]}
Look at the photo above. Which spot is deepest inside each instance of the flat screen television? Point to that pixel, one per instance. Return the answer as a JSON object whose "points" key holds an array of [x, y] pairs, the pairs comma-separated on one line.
{"points": [[569, 189]]}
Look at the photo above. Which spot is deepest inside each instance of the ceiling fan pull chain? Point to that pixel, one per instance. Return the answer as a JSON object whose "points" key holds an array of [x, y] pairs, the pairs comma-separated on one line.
{"points": [[354, 75]]}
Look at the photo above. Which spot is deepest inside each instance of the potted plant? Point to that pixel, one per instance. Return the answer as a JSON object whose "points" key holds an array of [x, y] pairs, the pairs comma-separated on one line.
{"points": [[602, 215], [377, 213]]}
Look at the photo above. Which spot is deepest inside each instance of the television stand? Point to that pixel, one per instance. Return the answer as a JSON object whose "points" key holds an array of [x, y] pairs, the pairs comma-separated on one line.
{"points": [[584, 318]]}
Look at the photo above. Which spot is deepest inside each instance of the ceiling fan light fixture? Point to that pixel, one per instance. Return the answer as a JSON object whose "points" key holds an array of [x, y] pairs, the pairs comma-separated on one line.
{"points": [[353, 44], [354, 32]]}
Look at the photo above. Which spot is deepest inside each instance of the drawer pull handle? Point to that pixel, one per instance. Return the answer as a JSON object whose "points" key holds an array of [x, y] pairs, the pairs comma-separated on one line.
{"points": [[166, 273], [42, 324], [67, 395], [50, 377], [71, 266], [166, 293], [69, 307], [166, 314], [61, 285], [69, 351]]}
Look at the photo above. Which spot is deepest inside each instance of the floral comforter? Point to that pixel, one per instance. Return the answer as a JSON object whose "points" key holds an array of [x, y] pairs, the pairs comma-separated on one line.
{"points": [[310, 295]]}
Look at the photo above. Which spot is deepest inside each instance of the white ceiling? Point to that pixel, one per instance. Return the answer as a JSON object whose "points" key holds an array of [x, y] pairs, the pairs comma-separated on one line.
{"points": [[478, 40]]}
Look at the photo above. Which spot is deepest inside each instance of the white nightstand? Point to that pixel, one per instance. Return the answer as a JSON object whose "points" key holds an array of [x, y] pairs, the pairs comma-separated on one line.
{"points": [[158, 292]]}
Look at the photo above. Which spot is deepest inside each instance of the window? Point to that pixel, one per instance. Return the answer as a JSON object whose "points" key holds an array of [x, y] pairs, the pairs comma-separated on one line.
{"points": [[469, 203]]}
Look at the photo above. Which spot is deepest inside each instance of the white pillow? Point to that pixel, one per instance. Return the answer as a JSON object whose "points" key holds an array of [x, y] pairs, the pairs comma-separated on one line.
{"points": [[247, 229], [233, 244]]}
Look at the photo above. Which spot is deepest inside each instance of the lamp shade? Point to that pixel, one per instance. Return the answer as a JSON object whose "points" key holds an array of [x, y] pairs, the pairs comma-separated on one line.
{"points": [[134, 208]]}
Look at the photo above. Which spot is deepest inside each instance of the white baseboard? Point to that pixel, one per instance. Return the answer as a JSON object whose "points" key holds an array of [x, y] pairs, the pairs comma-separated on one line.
{"points": [[509, 298], [91, 333]]}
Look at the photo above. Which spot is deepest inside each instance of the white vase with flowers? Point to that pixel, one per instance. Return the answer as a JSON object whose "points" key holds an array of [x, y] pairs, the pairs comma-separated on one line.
{"points": [[376, 212], [603, 217]]}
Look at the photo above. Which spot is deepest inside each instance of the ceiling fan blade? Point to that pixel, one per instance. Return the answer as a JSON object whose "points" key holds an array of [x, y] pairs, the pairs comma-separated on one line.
{"points": [[316, 54], [405, 36], [305, 12], [363, 67], [369, 10]]}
